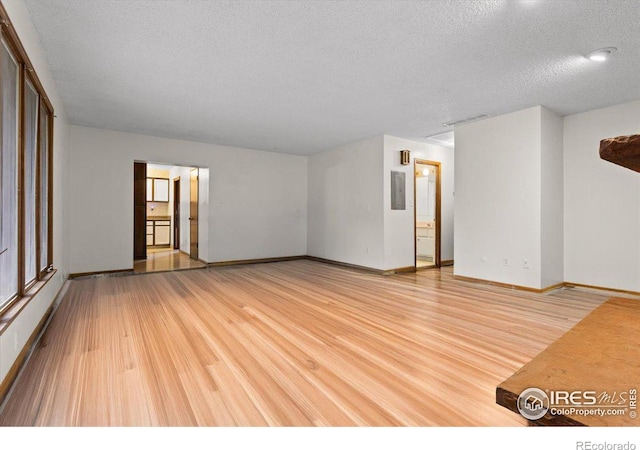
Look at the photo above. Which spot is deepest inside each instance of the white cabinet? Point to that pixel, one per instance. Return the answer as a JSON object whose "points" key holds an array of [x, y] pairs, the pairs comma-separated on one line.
{"points": [[158, 232], [149, 189], [426, 246], [158, 190], [149, 232], [162, 232], [426, 232]]}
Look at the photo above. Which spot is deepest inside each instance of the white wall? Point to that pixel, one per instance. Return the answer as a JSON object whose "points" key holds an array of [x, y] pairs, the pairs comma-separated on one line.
{"points": [[601, 202], [15, 336], [346, 220], [399, 226], [204, 214], [257, 200], [498, 198], [552, 203], [350, 216]]}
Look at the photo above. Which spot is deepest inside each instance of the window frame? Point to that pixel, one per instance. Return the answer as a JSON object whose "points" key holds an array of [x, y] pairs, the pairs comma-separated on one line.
{"points": [[23, 101], [48, 116], [27, 73]]}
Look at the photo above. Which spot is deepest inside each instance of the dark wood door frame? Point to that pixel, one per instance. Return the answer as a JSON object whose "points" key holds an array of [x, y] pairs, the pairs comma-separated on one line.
{"points": [[437, 165], [193, 212], [139, 210], [176, 213]]}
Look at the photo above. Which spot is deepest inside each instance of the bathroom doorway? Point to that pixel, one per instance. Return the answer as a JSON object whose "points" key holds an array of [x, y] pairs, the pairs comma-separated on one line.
{"points": [[427, 192]]}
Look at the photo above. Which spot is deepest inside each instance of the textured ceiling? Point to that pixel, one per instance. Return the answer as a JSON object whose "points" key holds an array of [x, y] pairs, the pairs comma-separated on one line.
{"points": [[304, 76]]}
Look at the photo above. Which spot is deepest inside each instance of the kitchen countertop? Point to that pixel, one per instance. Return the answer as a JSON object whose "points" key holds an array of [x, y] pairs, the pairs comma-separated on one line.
{"points": [[158, 217], [425, 225]]}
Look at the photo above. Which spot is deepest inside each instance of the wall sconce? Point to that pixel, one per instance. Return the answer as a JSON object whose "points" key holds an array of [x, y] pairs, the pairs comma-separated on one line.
{"points": [[405, 158]]}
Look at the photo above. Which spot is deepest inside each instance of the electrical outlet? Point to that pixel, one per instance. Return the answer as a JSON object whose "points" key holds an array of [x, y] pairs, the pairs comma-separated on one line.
{"points": [[525, 264], [505, 262], [368, 250]]}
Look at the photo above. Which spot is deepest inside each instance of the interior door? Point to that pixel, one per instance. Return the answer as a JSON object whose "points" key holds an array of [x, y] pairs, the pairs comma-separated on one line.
{"points": [[176, 213], [193, 215], [139, 210]]}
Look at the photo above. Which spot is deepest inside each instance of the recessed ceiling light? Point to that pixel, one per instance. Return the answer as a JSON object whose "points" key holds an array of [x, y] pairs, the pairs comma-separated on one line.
{"points": [[602, 54]]}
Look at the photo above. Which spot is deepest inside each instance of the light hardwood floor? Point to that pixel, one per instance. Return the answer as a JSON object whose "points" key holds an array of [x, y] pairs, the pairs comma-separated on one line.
{"points": [[294, 343], [420, 263], [166, 259]]}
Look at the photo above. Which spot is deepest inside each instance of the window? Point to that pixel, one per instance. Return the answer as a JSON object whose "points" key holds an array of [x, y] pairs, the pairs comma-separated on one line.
{"points": [[9, 174], [30, 166], [45, 188], [26, 122]]}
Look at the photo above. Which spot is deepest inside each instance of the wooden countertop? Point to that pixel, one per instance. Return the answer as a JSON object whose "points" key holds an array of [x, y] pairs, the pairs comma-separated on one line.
{"points": [[158, 217], [601, 353], [425, 225]]}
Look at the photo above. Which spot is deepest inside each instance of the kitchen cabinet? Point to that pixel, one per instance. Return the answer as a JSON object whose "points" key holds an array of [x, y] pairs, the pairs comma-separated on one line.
{"points": [[158, 190], [426, 240], [426, 246], [158, 231]]}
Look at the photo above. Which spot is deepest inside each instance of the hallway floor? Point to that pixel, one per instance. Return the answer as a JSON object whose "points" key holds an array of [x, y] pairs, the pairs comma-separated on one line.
{"points": [[420, 263], [166, 259]]}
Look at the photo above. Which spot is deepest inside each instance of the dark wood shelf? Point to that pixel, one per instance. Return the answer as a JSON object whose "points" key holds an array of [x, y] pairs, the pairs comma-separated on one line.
{"points": [[622, 150]]}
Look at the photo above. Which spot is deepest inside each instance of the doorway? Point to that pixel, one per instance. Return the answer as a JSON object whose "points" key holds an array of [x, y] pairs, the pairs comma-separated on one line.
{"points": [[427, 213], [167, 205]]}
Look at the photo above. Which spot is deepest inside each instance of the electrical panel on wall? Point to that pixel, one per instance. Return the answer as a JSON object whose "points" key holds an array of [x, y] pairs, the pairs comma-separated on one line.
{"points": [[398, 190]]}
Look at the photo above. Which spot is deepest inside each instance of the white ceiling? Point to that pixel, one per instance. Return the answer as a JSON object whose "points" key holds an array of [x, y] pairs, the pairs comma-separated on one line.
{"points": [[304, 76]]}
